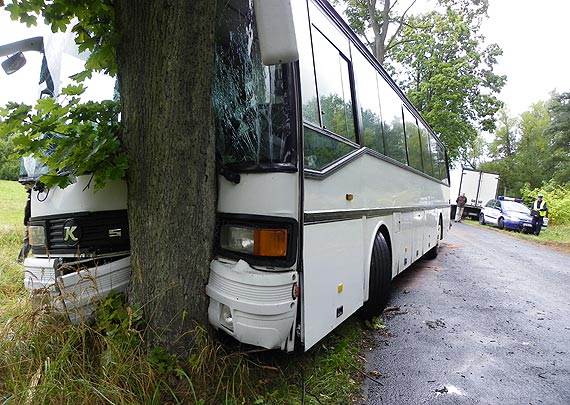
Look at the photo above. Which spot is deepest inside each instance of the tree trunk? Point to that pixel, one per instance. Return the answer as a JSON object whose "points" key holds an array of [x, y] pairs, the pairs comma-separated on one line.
{"points": [[379, 28], [165, 58]]}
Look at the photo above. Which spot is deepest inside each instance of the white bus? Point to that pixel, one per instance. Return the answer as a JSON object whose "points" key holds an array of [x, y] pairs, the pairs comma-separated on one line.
{"points": [[79, 238], [330, 183]]}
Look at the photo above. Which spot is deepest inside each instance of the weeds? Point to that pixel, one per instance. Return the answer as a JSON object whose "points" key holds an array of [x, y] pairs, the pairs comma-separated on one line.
{"points": [[45, 359]]}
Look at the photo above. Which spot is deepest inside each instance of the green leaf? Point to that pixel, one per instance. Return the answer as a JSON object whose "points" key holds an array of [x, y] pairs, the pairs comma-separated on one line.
{"points": [[73, 90]]}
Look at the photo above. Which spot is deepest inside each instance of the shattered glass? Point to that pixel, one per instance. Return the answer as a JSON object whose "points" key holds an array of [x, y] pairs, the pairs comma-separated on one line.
{"points": [[250, 100]]}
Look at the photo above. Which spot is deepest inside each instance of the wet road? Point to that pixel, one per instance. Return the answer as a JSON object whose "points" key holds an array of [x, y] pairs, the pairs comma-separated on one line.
{"points": [[487, 322]]}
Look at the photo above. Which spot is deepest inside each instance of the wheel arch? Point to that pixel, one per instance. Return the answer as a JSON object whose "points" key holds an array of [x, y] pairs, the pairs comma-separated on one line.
{"points": [[379, 274], [381, 227], [501, 222]]}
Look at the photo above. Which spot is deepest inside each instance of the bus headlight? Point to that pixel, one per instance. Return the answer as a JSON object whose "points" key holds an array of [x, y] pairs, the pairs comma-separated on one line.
{"points": [[254, 241], [37, 235], [226, 318]]}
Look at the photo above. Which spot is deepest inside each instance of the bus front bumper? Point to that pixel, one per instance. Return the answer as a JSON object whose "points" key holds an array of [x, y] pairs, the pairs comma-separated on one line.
{"points": [[255, 307], [78, 292]]}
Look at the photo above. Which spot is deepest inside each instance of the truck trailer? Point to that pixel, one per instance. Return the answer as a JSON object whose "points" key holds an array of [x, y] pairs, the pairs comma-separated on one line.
{"points": [[478, 186]]}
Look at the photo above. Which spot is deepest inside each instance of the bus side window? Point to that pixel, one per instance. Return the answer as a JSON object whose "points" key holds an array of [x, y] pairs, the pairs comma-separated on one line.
{"points": [[333, 85], [441, 163], [392, 122], [413, 140], [427, 152], [322, 150], [369, 103]]}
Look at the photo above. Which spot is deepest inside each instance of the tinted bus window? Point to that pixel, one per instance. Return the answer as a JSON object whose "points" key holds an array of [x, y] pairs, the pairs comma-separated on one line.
{"points": [[428, 157], [369, 103], [310, 104], [333, 85], [413, 140], [322, 150], [440, 162], [392, 124]]}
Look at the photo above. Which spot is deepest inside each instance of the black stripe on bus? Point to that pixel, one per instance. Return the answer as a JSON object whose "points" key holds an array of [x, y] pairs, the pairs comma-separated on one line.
{"points": [[320, 217]]}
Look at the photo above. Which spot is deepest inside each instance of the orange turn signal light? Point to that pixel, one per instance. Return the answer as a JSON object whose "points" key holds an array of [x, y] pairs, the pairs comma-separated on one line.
{"points": [[270, 242]]}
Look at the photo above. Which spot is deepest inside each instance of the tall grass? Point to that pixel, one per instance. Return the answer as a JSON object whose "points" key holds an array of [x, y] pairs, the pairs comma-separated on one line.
{"points": [[12, 202], [46, 360]]}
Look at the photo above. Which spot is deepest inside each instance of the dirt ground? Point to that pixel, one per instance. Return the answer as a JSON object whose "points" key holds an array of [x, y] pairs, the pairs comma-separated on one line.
{"points": [[558, 246]]}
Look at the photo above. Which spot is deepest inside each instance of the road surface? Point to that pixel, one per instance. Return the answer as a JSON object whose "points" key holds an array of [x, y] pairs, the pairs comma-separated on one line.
{"points": [[487, 322]]}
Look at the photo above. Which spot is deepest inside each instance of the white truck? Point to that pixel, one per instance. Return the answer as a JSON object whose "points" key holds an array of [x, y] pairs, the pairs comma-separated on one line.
{"points": [[478, 186]]}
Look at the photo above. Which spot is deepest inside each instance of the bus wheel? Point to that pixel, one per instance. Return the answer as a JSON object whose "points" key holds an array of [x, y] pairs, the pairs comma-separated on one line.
{"points": [[432, 253], [380, 278]]}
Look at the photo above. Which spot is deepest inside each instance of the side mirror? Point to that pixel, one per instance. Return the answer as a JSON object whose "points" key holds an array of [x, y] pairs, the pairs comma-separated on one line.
{"points": [[14, 63], [276, 31]]}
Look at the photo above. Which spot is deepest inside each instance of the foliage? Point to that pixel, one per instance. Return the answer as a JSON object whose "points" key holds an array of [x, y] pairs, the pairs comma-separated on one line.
{"points": [[439, 60], [502, 149], [449, 78], [90, 21], [11, 276], [80, 137], [9, 164], [44, 359], [474, 151], [557, 199], [373, 23], [373, 20], [534, 148], [532, 159], [72, 138], [559, 133]]}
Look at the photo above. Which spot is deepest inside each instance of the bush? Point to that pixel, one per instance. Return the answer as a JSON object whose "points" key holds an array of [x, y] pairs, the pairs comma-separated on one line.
{"points": [[9, 166], [557, 199]]}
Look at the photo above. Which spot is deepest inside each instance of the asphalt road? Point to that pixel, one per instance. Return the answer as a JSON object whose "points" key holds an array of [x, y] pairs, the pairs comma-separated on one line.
{"points": [[486, 322]]}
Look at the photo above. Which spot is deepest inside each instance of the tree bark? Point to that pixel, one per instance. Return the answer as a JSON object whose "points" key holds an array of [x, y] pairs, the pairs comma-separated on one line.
{"points": [[379, 28], [165, 58]]}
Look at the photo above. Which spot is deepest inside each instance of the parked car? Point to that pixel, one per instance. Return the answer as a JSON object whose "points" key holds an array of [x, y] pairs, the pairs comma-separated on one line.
{"points": [[507, 213]]}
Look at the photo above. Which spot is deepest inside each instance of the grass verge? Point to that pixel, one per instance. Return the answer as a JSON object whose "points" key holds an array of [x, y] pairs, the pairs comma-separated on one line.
{"points": [[44, 359], [12, 203], [556, 237]]}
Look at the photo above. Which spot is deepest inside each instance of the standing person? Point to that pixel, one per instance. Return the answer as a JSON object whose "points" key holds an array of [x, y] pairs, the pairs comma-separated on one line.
{"points": [[538, 210], [461, 201], [27, 214]]}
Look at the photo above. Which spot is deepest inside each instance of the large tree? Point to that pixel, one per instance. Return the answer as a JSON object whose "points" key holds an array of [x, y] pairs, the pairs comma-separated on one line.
{"points": [[449, 76], [533, 151], [165, 64], [162, 53], [558, 131], [372, 20], [502, 150]]}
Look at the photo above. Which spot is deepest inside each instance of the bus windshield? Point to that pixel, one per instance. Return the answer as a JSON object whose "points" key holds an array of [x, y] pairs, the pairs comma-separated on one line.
{"points": [[251, 101]]}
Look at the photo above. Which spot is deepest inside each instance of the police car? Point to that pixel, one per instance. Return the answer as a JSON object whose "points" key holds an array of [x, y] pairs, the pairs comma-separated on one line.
{"points": [[507, 213]]}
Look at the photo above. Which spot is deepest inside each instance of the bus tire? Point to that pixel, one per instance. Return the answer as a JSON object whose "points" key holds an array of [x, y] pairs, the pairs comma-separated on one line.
{"points": [[380, 279]]}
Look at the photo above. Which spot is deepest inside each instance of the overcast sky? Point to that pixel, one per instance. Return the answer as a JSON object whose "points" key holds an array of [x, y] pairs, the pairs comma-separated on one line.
{"points": [[533, 35]]}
